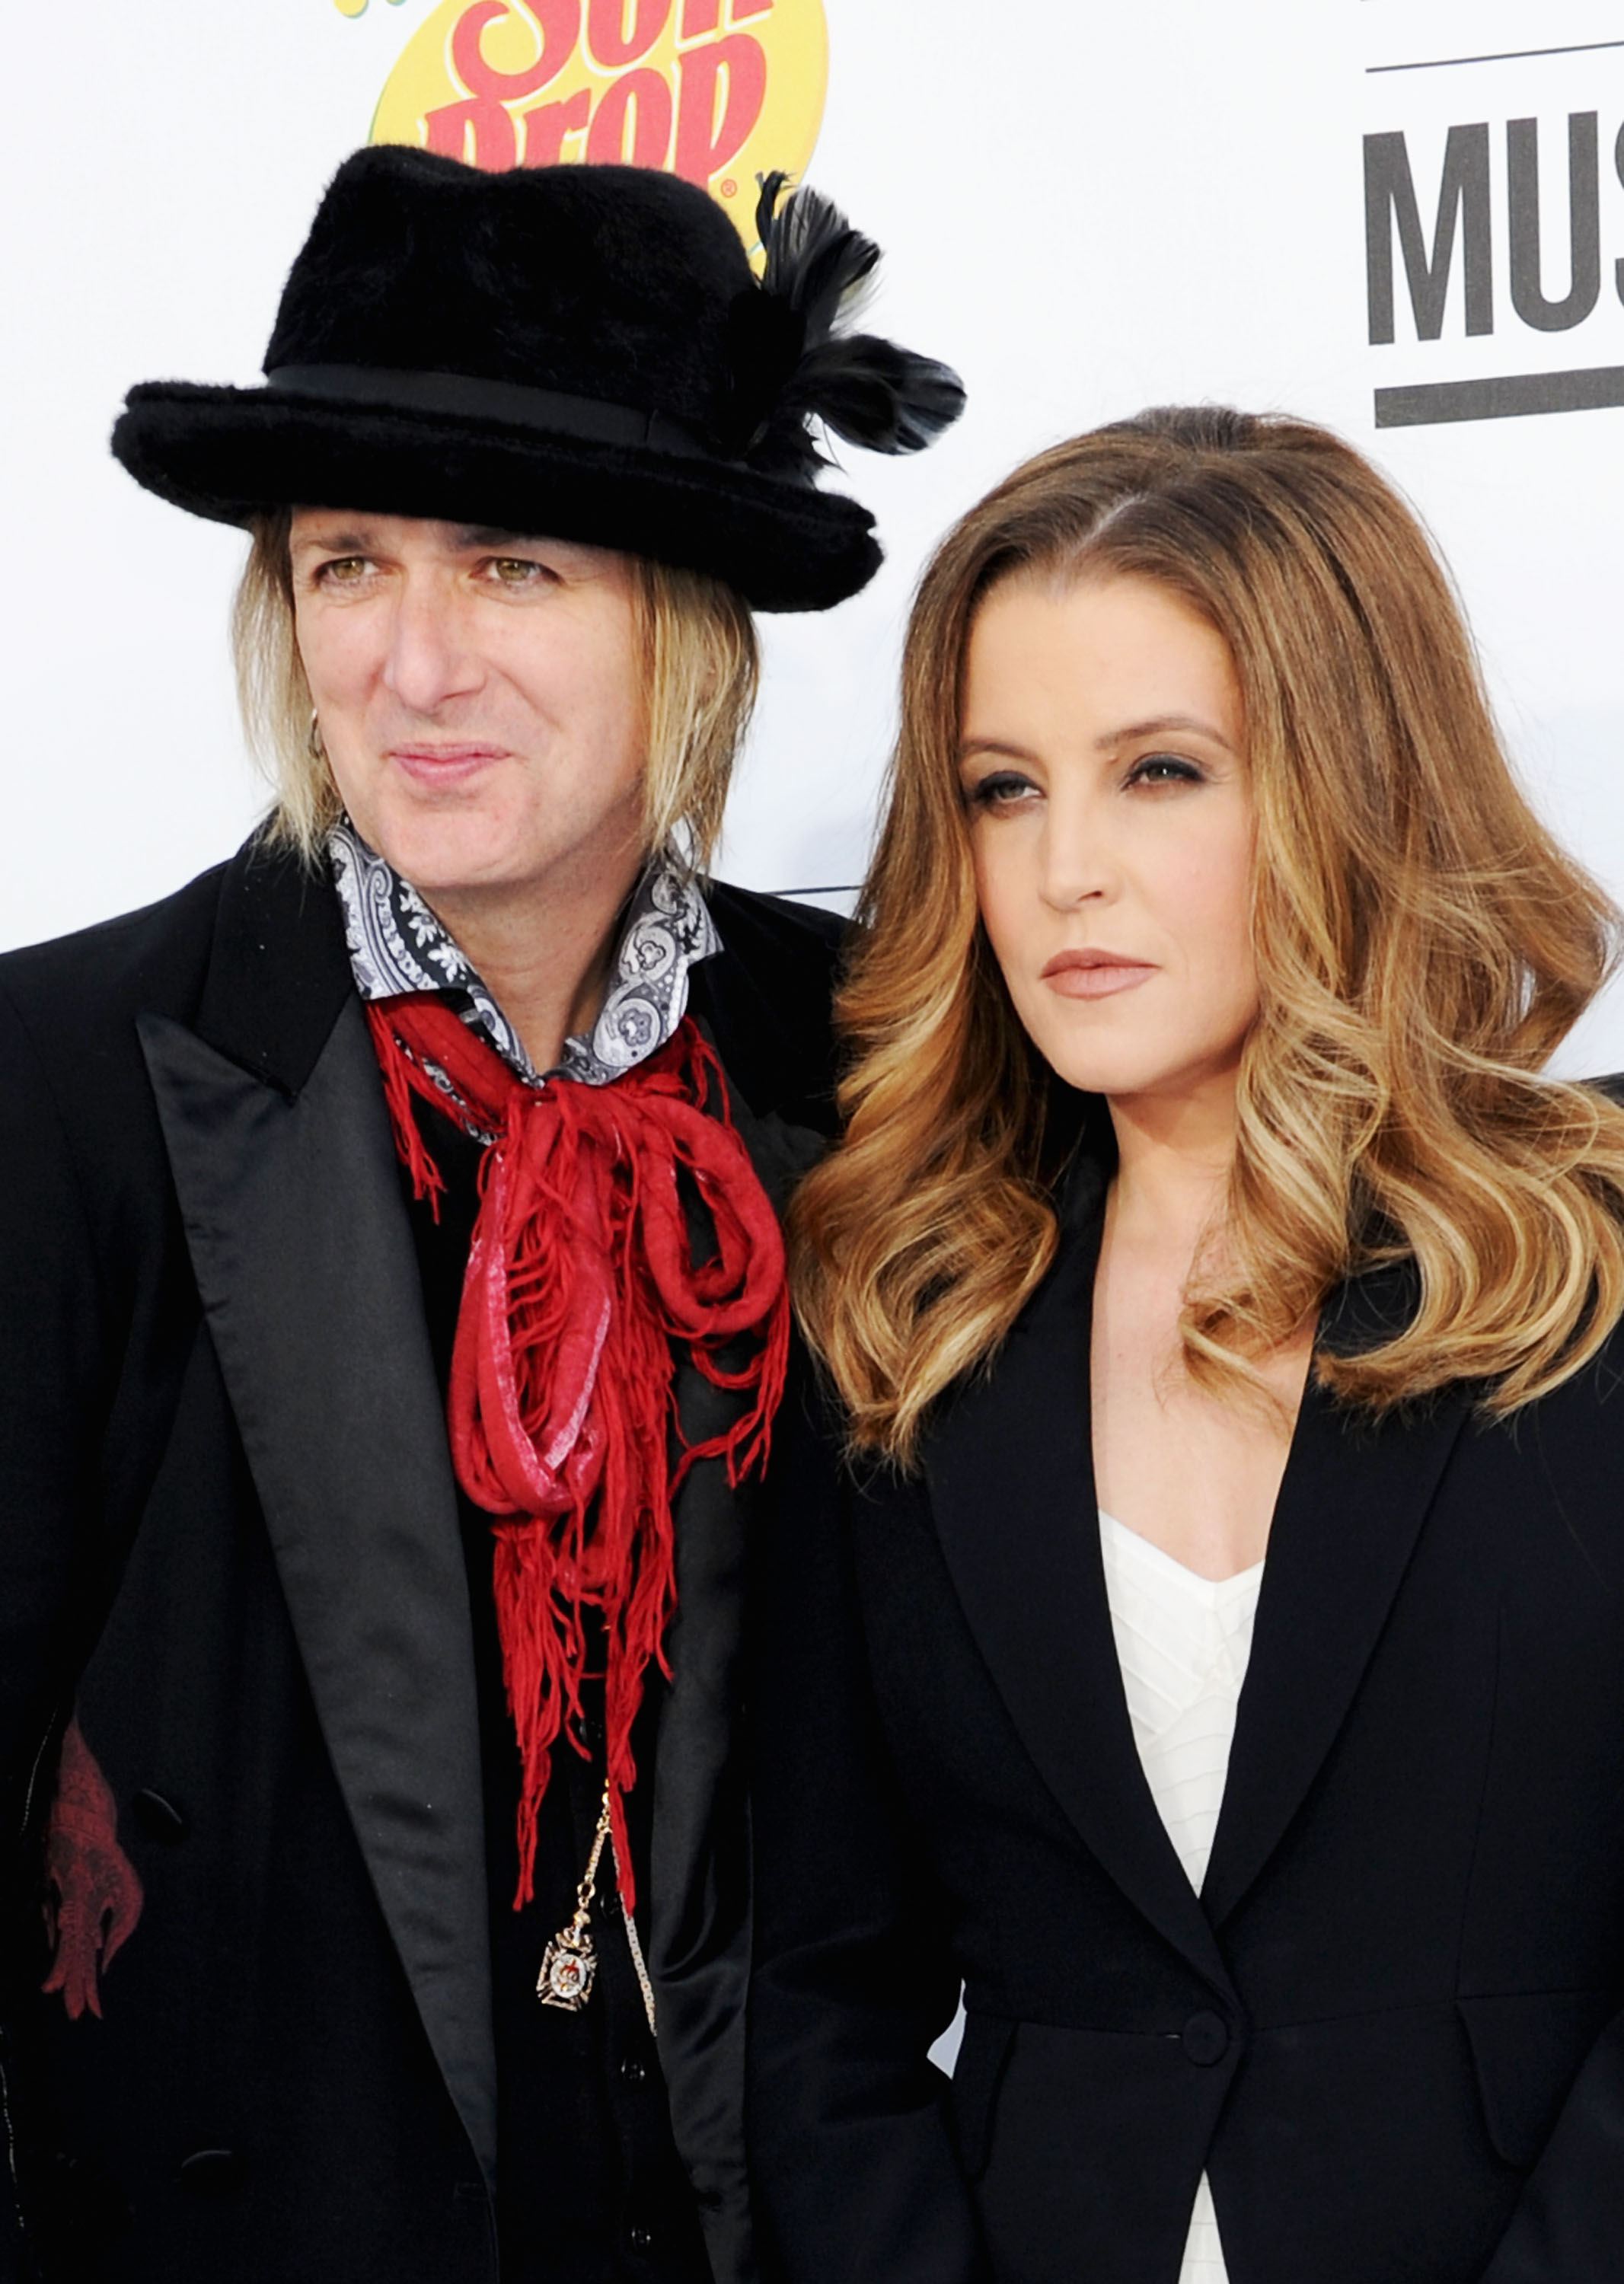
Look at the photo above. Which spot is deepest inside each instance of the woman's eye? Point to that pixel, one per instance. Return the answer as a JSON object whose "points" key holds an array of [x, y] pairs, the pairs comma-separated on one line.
{"points": [[1000, 790], [1165, 768]]}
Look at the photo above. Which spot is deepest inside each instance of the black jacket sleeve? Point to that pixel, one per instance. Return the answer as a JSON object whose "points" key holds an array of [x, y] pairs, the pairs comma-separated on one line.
{"points": [[50, 1376], [50, 1371], [1568, 2227], [851, 2148]]}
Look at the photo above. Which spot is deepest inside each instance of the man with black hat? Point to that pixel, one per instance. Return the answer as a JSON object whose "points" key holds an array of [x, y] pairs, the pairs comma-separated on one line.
{"points": [[393, 1302]]}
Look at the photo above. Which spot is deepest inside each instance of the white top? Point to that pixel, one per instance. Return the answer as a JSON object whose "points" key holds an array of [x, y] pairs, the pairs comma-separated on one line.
{"points": [[1182, 1642]]}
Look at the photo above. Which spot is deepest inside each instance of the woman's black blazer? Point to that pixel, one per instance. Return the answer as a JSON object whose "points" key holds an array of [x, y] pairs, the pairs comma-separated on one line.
{"points": [[1389, 2028]]}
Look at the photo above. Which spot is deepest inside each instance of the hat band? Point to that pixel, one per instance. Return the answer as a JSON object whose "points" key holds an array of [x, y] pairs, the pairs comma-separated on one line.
{"points": [[466, 394]]}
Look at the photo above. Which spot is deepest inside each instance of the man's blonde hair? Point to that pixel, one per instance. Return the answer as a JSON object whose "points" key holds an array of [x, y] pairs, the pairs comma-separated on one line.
{"points": [[701, 665]]}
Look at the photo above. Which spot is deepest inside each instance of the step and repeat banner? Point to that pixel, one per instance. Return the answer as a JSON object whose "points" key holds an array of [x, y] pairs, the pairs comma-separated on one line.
{"points": [[1402, 217]]}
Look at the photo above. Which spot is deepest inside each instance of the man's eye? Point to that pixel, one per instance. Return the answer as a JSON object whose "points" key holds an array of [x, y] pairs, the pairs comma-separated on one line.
{"points": [[517, 571], [343, 570]]}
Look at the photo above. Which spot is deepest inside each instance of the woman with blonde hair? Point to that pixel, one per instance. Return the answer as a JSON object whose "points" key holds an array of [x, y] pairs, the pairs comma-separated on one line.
{"points": [[1211, 1288]]}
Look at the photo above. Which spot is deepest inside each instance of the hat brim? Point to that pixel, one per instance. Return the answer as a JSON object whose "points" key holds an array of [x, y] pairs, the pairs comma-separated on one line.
{"points": [[232, 453]]}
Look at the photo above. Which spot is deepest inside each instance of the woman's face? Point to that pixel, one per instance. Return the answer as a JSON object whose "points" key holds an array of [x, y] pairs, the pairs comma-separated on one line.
{"points": [[1104, 775], [479, 697]]}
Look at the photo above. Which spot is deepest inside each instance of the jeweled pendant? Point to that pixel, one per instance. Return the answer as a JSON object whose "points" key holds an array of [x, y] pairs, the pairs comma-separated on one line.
{"points": [[568, 1965]]}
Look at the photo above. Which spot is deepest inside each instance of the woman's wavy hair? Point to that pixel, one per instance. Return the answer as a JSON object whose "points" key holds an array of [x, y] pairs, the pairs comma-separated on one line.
{"points": [[1422, 945], [701, 665]]}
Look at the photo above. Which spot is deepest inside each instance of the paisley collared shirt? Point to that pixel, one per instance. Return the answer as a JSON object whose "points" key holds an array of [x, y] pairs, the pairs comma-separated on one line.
{"points": [[396, 944]]}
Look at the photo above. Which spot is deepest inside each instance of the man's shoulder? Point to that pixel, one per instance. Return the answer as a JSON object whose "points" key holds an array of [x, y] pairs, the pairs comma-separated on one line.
{"points": [[777, 926], [101, 976], [766, 996], [250, 954]]}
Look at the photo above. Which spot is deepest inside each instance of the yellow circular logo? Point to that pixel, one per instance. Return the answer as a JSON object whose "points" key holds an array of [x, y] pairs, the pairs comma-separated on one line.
{"points": [[715, 91]]}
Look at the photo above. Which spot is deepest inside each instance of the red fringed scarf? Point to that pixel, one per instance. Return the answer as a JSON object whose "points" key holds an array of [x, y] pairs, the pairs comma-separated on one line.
{"points": [[580, 1280]]}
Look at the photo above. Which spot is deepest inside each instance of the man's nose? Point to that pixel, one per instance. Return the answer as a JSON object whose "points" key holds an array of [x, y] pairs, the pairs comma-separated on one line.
{"points": [[430, 658]]}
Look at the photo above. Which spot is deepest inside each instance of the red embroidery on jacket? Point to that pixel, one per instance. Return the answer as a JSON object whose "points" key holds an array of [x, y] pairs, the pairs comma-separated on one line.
{"points": [[92, 1893]]}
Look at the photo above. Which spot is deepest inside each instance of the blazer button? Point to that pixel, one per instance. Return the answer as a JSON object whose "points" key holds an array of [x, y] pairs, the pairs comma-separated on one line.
{"points": [[212, 2173], [1205, 2039], [642, 2239], [160, 1817], [634, 2072]]}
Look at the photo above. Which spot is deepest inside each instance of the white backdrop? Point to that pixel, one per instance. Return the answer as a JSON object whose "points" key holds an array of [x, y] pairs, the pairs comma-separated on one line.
{"points": [[1084, 208]]}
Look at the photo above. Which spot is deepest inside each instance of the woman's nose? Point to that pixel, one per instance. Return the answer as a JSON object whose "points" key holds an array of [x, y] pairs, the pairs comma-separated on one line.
{"points": [[1079, 863]]}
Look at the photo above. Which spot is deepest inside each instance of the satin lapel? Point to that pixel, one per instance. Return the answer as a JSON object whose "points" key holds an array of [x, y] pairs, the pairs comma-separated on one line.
{"points": [[698, 1917], [304, 1260], [1351, 1507], [1011, 1474], [698, 1912], [697, 1811]]}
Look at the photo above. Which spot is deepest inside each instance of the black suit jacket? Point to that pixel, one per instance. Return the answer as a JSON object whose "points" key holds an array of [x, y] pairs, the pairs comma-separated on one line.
{"points": [[229, 1537], [1389, 2026]]}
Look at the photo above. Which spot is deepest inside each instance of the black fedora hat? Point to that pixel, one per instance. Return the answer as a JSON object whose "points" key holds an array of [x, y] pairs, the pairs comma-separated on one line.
{"points": [[579, 351]]}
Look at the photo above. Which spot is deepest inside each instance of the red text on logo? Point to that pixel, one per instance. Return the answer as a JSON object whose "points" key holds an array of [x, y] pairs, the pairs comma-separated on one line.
{"points": [[694, 119]]}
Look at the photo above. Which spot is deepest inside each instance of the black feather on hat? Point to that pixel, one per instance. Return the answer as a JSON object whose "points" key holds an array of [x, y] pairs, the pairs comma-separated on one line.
{"points": [[800, 364], [581, 352]]}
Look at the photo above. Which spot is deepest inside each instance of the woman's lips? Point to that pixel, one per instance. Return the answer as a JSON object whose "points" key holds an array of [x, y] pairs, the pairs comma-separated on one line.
{"points": [[448, 764], [1095, 974]]}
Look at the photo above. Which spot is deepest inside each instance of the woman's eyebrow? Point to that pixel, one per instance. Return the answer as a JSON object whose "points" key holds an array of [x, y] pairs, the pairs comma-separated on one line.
{"points": [[1156, 726], [1160, 725], [972, 746]]}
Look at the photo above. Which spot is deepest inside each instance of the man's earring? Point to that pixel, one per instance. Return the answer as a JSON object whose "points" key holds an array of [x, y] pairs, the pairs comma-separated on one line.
{"points": [[313, 743]]}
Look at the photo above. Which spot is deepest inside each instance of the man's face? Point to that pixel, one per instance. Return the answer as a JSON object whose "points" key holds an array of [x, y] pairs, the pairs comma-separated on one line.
{"points": [[481, 698]]}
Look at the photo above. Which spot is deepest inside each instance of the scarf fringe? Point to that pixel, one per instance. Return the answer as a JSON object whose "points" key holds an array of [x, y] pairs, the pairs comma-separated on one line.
{"points": [[582, 1282]]}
